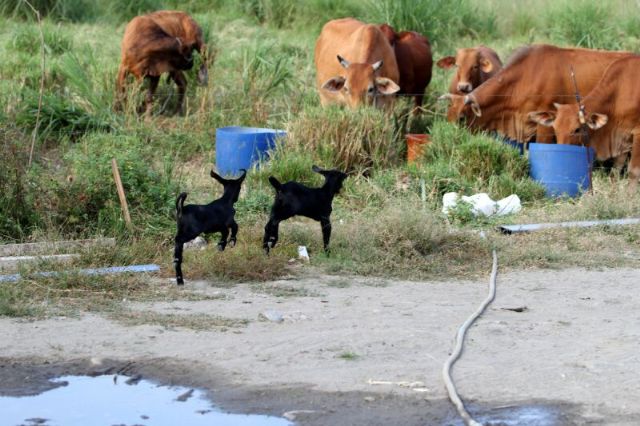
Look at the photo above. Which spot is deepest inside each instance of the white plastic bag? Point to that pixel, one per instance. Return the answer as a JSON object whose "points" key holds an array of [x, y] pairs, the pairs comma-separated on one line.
{"points": [[482, 204]]}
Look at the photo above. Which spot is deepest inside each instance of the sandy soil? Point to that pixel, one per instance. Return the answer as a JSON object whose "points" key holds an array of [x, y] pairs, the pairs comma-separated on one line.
{"points": [[370, 351]]}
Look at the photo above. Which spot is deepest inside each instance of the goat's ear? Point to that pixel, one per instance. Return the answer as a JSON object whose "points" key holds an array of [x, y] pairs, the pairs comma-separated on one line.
{"points": [[218, 177], [316, 169], [275, 183], [244, 175]]}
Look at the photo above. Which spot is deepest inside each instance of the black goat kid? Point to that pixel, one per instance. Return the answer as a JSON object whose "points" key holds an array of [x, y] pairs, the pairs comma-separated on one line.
{"points": [[217, 216], [293, 199]]}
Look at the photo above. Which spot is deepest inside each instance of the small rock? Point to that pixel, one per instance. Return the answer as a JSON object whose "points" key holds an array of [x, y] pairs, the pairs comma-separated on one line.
{"points": [[293, 414], [197, 243], [369, 398], [185, 396], [270, 315]]}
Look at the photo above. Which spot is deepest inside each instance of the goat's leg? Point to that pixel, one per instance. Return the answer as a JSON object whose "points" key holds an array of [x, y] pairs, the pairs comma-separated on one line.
{"points": [[234, 234], [325, 223], [177, 259], [148, 100], [180, 80], [223, 239], [270, 234]]}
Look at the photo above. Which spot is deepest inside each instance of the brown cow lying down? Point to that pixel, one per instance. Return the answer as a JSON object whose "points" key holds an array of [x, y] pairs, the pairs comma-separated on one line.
{"points": [[415, 62], [610, 116], [161, 42], [474, 66], [535, 78], [355, 64]]}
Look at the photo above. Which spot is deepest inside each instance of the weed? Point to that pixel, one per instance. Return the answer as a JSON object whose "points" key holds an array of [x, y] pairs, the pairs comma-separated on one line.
{"points": [[348, 356]]}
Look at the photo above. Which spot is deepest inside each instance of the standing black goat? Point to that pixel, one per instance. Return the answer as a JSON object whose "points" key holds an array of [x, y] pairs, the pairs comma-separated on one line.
{"points": [[293, 198], [217, 216]]}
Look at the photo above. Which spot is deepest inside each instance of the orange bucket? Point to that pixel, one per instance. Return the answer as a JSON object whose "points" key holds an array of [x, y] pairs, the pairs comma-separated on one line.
{"points": [[415, 145]]}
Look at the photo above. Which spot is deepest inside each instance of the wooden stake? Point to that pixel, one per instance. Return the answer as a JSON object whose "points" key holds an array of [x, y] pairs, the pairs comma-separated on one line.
{"points": [[123, 199]]}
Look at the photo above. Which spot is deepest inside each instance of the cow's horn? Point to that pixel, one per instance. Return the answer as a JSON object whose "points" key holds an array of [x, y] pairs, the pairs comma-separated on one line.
{"points": [[377, 65], [445, 97], [345, 64]]}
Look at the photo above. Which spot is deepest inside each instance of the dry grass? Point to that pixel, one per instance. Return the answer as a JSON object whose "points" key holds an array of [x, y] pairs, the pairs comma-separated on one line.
{"points": [[198, 322]]}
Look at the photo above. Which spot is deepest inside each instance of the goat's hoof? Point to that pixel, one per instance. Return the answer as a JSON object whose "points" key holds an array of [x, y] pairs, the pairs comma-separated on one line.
{"points": [[232, 243], [179, 281], [266, 250], [220, 247], [270, 244]]}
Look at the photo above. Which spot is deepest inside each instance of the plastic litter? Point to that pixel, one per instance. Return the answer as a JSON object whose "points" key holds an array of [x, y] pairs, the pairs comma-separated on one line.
{"points": [[302, 253], [482, 204]]}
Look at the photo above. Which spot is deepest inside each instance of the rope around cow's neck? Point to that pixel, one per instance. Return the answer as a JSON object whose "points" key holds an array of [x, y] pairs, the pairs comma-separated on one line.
{"points": [[446, 370]]}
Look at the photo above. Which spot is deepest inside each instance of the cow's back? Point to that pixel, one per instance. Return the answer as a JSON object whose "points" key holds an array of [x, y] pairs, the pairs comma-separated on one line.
{"points": [[413, 55], [355, 41], [534, 79]]}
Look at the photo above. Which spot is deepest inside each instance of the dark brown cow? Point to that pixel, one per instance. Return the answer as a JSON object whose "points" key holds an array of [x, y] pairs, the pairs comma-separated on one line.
{"points": [[535, 78], [415, 62], [355, 64], [474, 66], [161, 42], [610, 117]]}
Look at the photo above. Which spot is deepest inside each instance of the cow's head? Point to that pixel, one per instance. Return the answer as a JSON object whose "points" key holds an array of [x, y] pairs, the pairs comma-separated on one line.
{"points": [[185, 49], [360, 85], [469, 64], [569, 122], [460, 107]]}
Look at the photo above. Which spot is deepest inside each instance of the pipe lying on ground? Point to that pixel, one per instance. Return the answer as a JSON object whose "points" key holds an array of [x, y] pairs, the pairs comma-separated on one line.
{"points": [[514, 229], [91, 271]]}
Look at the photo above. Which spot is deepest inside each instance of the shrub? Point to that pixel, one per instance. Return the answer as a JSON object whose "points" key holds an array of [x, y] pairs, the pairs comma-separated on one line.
{"points": [[456, 160], [88, 200]]}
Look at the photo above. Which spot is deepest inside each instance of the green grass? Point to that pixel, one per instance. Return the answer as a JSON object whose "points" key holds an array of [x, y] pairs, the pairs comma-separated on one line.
{"points": [[262, 74]]}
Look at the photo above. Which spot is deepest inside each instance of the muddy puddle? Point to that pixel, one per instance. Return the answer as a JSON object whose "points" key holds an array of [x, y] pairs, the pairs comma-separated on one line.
{"points": [[530, 415], [120, 400]]}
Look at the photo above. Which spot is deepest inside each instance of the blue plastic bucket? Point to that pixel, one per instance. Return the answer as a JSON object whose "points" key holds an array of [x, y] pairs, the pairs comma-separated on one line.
{"points": [[242, 147], [564, 170]]}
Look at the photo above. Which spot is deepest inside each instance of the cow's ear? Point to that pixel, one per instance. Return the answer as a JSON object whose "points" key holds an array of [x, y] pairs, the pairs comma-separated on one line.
{"points": [[446, 62], [544, 118], [486, 66], [386, 86], [596, 120], [334, 84]]}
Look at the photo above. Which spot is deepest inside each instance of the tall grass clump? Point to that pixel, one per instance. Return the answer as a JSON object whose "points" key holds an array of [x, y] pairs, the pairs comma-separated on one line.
{"points": [[18, 217], [458, 161], [587, 23], [443, 21], [80, 10], [348, 140]]}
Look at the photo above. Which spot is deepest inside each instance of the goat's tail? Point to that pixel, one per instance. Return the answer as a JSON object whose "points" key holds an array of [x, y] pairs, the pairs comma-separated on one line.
{"points": [[180, 204], [275, 183]]}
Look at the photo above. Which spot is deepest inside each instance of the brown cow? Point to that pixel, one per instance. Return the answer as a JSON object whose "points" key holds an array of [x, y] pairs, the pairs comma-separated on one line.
{"points": [[535, 77], [610, 116], [355, 64], [415, 62], [474, 66], [161, 42]]}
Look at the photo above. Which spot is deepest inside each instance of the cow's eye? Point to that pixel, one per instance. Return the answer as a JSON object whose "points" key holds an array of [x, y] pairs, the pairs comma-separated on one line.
{"points": [[371, 90], [577, 131]]}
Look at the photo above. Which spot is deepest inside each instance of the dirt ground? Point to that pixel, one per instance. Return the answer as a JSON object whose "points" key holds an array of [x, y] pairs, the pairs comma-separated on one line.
{"points": [[363, 351]]}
